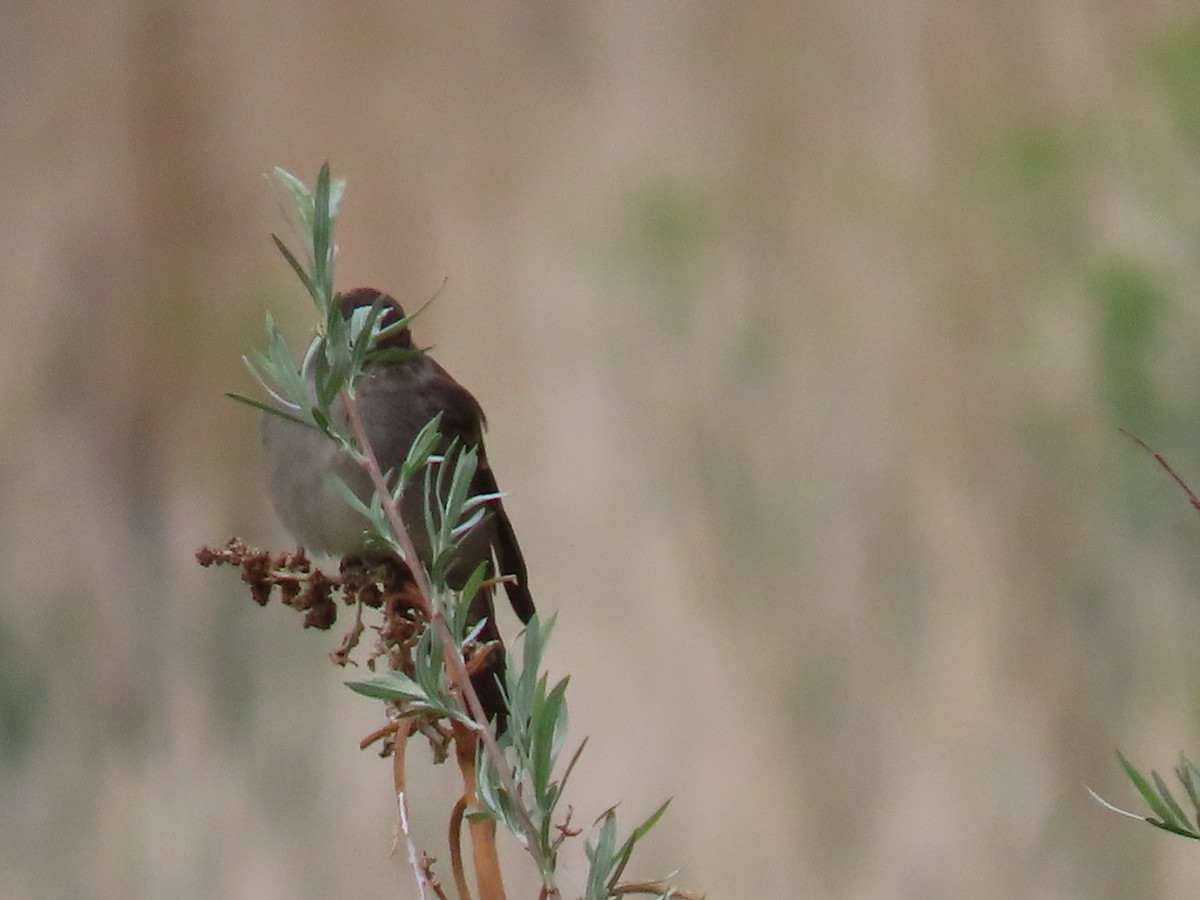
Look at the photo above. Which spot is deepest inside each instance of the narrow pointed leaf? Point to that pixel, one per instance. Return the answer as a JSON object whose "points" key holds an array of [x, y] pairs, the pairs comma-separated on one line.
{"points": [[1145, 789], [626, 850], [278, 364], [548, 721], [322, 237], [600, 857], [255, 370], [1187, 777], [1177, 817], [268, 408], [571, 764], [391, 686], [296, 267], [301, 197]]}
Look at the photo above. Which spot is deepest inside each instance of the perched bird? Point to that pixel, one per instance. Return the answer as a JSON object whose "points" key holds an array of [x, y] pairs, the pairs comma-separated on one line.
{"points": [[396, 398]]}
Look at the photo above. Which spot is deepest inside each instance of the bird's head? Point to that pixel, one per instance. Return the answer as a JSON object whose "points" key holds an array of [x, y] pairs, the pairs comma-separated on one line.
{"points": [[391, 312]]}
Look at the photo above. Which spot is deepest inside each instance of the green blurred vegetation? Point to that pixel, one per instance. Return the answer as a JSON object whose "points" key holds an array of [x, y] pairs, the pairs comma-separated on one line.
{"points": [[1132, 305], [1174, 58]]}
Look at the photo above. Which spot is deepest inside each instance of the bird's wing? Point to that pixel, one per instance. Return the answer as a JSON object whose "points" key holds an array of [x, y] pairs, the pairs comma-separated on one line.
{"points": [[508, 551], [463, 418]]}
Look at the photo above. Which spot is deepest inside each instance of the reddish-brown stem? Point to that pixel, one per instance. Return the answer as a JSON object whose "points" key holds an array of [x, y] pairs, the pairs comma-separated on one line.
{"points": [[456, 860], [483, 831], [378, 733], [1162, 461]]}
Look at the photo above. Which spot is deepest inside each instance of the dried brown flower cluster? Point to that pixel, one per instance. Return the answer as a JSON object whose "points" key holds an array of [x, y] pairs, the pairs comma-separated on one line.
{"points": [[385, 584]]}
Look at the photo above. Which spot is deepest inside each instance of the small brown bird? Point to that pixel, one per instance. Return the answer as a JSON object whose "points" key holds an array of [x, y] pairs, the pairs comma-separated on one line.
{"points": [[396, 398]]}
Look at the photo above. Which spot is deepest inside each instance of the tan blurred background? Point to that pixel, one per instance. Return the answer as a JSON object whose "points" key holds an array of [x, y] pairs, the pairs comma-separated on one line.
{"points": [[804, 331]]}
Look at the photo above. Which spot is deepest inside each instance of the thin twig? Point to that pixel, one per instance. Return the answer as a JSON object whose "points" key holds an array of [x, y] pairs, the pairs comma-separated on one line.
{"points": [[415, 859], [1191, 495], [428, 862], [378, 734]]}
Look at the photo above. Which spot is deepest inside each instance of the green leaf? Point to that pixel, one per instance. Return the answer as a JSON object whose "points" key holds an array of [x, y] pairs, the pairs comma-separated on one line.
{"points": [[361, 334], [322, 238], [428, 511], [397, 327], [549, 725], [268, 408], [316, 212], [494, 800], [488, 792], [430, 673], [1187, 772], [301, 198], [464, 527], [537, 636], [640, 832], [259, 374], [352, 499], [465, 462], [322, 420], [1147, 791], [330, 377], [601, 857], [1182, 832], [296, 267], [279, 366], [1178, 819], [337, 190], [394, 686], [462, 608], [422, 448]]}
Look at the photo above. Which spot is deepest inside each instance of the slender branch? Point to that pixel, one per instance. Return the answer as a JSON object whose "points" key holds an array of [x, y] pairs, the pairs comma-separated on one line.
{"points": [[450, 649], [371, 465], [317, 211], [1162, 461], [379, 734]]}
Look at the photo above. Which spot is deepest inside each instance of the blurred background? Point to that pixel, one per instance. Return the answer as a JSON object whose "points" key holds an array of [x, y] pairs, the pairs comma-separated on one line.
{"points": [[804, 331]]}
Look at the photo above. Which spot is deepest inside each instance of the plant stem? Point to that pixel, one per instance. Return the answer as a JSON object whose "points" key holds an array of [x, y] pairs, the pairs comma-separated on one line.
{"points": [[399, 746], [450, 649]]}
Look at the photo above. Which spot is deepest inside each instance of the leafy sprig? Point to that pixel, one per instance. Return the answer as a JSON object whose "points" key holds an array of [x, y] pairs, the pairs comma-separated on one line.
{"points": [[1168, 812], [519, 779]]}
